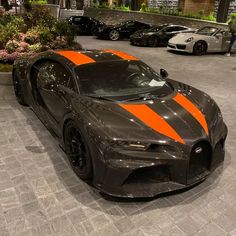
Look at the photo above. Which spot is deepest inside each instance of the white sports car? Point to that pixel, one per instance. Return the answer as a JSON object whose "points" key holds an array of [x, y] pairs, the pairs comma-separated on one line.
{"points": [[206, 39]]}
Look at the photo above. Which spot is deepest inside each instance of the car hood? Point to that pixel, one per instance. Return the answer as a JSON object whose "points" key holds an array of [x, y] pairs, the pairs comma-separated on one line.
{"points": [[163, 120], [182, 37]]}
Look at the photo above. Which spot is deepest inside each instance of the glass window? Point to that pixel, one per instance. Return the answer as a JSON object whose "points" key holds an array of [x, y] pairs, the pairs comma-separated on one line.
{"points": [[52, 73], [118, 78], [209, 31]]}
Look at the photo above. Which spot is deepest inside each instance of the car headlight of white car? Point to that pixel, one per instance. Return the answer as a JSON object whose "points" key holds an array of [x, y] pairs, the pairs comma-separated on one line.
{"points": [[189, 40]]}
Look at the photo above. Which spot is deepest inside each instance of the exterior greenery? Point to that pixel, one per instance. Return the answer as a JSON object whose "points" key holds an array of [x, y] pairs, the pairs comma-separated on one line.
{"points": [[5, 67], [28, 34]]}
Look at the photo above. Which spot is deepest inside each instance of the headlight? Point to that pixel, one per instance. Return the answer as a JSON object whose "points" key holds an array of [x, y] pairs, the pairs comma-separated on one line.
{"points": [[189, 40], [133, 146]]}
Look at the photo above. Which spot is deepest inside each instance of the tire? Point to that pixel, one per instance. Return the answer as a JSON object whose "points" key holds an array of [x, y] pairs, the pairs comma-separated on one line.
{"points": [[94, 31], [18, 89], [153, 41], [200, 48], [77, 151], [114, 35]]}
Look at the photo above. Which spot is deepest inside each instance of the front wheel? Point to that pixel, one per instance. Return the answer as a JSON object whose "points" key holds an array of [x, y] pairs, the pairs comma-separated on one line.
{"points": [[200, 48], [18, 89], [114, 35], [78, 152], [153, 41]]}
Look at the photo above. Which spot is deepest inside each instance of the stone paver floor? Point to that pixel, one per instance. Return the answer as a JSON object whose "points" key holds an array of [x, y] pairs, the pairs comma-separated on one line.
{"points": [[40, 194]]}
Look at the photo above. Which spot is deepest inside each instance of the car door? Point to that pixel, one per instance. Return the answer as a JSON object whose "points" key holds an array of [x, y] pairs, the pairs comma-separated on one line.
{"points": [[128, 29], [53, 81]]}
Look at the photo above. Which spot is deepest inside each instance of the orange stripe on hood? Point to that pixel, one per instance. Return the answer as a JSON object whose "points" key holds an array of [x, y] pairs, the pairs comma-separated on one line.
{"points": [[123, 55], [192, 109], [76, 57], [153, 120]]}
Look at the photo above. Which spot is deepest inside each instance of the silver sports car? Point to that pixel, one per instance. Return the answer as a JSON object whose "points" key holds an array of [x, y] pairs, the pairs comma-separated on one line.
{"points": [[206, 39]]}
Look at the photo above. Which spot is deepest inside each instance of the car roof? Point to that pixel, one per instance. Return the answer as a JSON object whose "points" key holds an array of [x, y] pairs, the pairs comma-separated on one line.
{"points": [[93, 56]]}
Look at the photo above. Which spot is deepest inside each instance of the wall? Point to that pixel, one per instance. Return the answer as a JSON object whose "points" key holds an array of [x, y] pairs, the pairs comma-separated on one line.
{"points": [[115, 16]]}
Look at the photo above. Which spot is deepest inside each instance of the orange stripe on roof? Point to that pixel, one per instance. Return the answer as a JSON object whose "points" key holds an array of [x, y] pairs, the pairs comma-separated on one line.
{"points": [[76, 57], [123, 55], [153, 120], [192, 109]]}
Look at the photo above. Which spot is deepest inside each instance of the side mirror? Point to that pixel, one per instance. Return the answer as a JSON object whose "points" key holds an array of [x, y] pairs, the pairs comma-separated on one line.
{"points": [[163, 73], [219, 35]]}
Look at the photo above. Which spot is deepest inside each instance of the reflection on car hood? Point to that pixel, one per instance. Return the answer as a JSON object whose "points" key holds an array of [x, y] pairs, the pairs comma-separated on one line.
{"points": [[127, 121]]}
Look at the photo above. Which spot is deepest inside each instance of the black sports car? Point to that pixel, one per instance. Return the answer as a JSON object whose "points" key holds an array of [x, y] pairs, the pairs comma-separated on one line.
{"points": [[121, 30], [158, 35], [131, 131], [86, 25]]}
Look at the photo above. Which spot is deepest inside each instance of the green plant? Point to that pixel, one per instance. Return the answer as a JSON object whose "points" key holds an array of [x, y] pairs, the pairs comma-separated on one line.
{"points": [[11, 46], [39, 2], [143, 7], [35, 47], [123, 7], [5, 67]]}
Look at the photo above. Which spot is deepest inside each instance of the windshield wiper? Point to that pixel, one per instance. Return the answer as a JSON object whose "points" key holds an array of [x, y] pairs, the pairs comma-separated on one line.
{"points": [[144, 97], [100, 97]]}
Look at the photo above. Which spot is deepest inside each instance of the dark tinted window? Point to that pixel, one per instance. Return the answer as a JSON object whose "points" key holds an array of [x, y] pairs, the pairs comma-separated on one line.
{"points": [[118, 78], [52, 73]]}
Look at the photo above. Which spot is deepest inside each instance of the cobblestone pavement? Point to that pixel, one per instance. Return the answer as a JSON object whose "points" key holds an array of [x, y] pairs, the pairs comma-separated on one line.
{"points": [[40, 194]]}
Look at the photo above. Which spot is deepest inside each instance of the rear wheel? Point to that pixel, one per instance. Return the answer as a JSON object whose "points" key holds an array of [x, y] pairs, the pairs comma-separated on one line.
{"points": [[153, 41], [114, 35], [200, 48], [18, 89], [77, 151]]}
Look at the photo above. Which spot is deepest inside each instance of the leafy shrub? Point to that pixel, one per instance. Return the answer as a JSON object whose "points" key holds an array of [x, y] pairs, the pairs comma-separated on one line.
{"points": [[39, 16], [35, 47], [9, 58], [11, 46], [39, 2], [123, 7], [32, 36], [143, 7]]}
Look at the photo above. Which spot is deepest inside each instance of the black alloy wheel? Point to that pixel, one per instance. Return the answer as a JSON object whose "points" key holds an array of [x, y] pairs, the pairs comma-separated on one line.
{"points": [[199, 48], [77, 151], [153, 41], [18, 89]]}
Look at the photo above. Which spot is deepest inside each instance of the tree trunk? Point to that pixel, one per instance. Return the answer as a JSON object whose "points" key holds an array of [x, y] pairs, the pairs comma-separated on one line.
{"points": [[223, 9]]}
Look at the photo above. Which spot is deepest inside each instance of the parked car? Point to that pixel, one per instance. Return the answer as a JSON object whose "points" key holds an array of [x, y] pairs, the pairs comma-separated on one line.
{"points": [[206, 39], [129, 130], [86, 25], [157, 35], [121, 30]]}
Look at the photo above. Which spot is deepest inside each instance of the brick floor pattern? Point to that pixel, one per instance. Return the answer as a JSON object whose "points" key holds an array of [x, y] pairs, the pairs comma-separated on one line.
{"points": [[40, 194]]}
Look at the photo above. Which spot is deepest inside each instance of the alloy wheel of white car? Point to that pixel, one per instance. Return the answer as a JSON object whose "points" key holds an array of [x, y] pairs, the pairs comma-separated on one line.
{"points": [[114, 35]]}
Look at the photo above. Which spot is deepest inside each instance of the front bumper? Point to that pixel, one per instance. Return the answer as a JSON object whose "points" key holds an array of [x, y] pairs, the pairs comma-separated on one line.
{"points": [[180, 47], [143, 177], [139, 41]]}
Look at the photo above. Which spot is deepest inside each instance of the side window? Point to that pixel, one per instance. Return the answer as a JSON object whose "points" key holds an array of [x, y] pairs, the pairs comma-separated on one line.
{"points": [[77, 20], [179, 28], [52, 73], [169, 29]]}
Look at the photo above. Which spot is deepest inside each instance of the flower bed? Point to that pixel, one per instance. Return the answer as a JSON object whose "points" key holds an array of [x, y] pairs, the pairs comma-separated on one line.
{"points": [[27, 34]]}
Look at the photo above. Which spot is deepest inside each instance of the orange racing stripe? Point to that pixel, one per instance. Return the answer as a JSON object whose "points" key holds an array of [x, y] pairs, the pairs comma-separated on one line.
{"points": [[192, 109], [122, 55], [76, 57], [153, 120]]}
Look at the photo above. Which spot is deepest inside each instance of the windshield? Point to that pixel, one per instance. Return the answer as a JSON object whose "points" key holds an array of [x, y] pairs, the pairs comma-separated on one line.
{"points": [[118, 78], [209, 31], [156, 28]]}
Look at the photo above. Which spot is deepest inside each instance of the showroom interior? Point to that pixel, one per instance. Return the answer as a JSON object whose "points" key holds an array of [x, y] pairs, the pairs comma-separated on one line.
{"points": [[117, 117]]}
